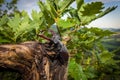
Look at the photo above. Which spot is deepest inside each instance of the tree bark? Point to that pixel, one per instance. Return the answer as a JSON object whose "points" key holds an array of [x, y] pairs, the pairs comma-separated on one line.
{"points": [[33, 61]]}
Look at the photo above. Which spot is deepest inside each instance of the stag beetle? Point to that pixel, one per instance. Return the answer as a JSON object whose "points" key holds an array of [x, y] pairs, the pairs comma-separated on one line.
{"points": [[57, 46]]}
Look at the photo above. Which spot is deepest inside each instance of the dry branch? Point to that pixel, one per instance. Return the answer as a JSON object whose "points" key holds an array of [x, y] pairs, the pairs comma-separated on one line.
{"points": [[34, 61]]}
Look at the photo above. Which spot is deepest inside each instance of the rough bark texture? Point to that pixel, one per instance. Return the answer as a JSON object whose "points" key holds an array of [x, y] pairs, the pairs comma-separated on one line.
{"points": [[34, 61]]}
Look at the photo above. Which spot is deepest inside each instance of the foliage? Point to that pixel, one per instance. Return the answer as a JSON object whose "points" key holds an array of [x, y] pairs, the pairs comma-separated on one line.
{"points": [[93, 57], [20, 28], [89, 60]]}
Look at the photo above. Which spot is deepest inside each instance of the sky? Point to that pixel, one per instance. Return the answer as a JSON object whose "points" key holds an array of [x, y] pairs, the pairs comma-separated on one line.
{"points": [[111, 20]]}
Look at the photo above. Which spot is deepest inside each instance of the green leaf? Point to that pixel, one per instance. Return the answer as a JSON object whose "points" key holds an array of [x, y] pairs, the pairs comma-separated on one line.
{"points": [[25, 17], [106, 11], [46, 14], [14, 22], [76, 71], [19, 25], [65, 4], [2, 40], [65, 23], [52, 9], [106, 56], [92, 8], [74, 15], [87, 19], [79, 3], [90, 72], [101, 14], [36, 15], [37, 19], [56, 4], [3, 20]]}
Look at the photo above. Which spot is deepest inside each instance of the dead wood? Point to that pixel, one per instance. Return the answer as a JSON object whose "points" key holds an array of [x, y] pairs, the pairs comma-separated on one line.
{"points": [[33, 60]]}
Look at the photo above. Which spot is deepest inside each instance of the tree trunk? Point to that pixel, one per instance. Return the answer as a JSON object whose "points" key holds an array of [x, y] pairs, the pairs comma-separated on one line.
{"points": [[34, 61]]}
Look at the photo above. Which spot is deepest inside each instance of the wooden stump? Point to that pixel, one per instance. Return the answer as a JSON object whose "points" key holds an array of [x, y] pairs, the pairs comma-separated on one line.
{"points": [[33, 61]]}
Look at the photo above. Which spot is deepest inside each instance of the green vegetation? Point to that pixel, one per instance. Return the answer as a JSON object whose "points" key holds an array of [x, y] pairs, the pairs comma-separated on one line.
{"points": [[89, 59], [113, 42]]}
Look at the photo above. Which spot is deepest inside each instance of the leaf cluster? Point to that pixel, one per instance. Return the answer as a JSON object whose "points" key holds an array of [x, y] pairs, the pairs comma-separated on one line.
{"points": [[20, 27]]}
